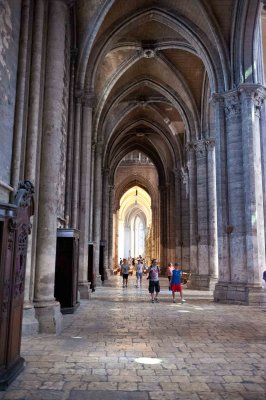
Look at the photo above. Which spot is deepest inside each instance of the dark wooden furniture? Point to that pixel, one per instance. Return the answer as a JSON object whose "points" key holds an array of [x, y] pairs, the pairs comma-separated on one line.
{"points": [[14, 230], [66, 270]]}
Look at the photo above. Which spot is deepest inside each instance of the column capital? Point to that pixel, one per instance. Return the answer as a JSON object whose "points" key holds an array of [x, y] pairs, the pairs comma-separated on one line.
{"points": [[232, 103], [217, 98], [199, 147], [189, 147], [210, 144], [254, 93]]}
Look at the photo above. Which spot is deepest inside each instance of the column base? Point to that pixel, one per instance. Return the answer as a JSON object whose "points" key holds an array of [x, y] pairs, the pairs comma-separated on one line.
{"points": [[108, 273], [30, 326], [98, 280], [239, 293], [202, 282], [49, 317], [84, 292]]}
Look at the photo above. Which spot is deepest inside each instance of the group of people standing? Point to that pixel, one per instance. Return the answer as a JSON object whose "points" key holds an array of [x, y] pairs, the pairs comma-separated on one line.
{"points": [[174, 274]]}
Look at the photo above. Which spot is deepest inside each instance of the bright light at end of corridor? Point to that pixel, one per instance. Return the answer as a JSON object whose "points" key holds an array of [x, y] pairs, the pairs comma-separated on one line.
{"points": [[147, 360]]}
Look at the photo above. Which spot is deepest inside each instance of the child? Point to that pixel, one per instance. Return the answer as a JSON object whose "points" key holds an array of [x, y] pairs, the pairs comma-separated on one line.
{"points": [[176, 285], [170, 268]]}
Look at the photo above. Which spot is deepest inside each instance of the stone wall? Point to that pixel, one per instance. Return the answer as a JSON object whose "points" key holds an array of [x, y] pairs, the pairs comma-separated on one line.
{"points": [[9, 46]]}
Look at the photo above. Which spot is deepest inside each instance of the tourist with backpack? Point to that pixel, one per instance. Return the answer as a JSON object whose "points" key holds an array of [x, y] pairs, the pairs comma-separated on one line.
{"points": [[154, 284]]}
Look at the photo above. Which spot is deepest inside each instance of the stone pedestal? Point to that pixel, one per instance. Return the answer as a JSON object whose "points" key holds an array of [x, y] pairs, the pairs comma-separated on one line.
{"points": [[30, 326], [232, 293], [84, 290], [49, 317], [202, 282]]}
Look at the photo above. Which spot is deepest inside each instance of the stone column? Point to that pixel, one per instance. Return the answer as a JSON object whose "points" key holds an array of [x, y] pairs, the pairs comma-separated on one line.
{"points": [[163, 230], [212, 212], [85, 195], [32, 159], [92, 192], [192, 214], [178, 208], [111, 232], [202, 279], [263, 162], [252, 97], [97, 214], [115, 240], [76, 163], [236, 201], [185, 218], [20, 109], [70, 140], [105, 219], [47, 309], [218, 131]]}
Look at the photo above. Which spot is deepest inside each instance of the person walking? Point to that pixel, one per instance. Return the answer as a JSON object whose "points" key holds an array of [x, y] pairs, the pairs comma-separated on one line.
{"points": [[125, 271], [139, 273], [154, 284], [170, 268], [176, 285]]}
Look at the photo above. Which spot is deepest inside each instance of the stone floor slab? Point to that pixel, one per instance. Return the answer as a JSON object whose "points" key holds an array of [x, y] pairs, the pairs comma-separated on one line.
{"points": [[196, 351], [107, 395]]}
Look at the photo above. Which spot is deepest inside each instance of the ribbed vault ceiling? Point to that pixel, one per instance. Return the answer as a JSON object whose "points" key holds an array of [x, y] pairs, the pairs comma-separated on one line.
{"points": [[148, 67]]}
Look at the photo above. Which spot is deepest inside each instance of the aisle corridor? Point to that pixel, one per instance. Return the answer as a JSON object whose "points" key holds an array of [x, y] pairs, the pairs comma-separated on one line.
{"points": [[119, 346]]}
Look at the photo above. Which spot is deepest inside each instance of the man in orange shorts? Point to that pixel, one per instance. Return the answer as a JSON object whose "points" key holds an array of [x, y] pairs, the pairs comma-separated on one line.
{"points": [[176, 285]]}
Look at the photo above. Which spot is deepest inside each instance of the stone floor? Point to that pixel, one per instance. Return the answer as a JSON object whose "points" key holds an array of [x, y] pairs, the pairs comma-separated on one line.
{"points": [[120, 346]]}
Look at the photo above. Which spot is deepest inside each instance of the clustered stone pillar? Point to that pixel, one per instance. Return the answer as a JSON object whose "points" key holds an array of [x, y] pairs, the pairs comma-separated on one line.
{"points": [[111, 232], [76, 162], [105, 218], [70, 140], [241, 153], [252, 97], [85, 197], [97, 215], [212, 213], [47, 309], [178, 208], [163, 229], [202, 279], [202, 214], [32, 159], [192, 213], [19, 120], [235, 179], [222, 190]]}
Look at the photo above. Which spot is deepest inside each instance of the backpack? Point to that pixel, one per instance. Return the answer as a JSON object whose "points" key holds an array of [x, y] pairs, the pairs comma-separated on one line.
{"points": [[153, 273]]}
